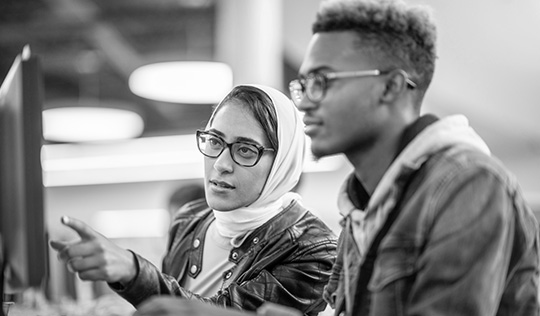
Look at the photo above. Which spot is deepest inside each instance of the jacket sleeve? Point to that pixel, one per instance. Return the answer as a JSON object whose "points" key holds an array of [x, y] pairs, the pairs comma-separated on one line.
{"points": [[148, 282], [463, 267], [331, 292]]}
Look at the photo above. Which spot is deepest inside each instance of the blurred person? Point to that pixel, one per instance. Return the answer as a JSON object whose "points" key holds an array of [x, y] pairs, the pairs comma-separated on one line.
{"points": [[433, 223], [249, 241], [184, 194]]}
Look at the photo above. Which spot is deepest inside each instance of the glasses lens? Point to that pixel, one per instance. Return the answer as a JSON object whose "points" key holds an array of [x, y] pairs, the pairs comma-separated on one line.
{"points": [[210, 145], [245, 154], [315, 86], [297, 91]]}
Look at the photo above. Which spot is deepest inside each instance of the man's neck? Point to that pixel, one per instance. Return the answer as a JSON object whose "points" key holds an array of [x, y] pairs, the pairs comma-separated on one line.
{"points": [[371, 165]]}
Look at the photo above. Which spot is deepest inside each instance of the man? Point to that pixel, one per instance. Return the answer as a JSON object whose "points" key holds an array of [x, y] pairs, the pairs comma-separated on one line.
{"points": [[433, 225]]}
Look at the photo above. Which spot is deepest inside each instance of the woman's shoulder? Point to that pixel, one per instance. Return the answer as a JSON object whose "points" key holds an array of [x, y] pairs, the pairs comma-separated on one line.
{"points": [[310, 224], [310, 234]]}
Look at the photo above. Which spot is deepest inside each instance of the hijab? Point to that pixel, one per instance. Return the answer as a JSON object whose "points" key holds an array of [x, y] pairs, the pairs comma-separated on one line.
{"points": [[283, 177]]}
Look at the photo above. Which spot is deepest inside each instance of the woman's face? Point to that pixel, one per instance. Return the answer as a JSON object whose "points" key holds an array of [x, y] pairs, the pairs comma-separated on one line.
{"points": [[229, 185]]}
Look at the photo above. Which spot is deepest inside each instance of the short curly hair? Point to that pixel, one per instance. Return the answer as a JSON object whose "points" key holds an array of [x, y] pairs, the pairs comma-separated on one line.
{"points": [[395, 34]]}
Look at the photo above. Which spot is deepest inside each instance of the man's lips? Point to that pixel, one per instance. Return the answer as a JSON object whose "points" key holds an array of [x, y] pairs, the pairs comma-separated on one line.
{"points": [[311, 125], [308, 121]]}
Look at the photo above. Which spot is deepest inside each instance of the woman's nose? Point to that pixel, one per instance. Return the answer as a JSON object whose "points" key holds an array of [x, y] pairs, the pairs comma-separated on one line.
{"points": [[224, 162]]}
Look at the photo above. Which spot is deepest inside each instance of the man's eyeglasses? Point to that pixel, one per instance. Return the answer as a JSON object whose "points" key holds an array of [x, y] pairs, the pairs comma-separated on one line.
{"points": [[244, 154], [314, 85]]}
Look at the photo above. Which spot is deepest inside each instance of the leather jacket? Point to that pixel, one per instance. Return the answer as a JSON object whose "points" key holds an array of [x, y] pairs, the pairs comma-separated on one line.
{"points": [[286, 261]]}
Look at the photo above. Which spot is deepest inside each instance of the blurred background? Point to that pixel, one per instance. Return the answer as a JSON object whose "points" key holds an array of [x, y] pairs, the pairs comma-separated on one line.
{"points": [[95, 55]]}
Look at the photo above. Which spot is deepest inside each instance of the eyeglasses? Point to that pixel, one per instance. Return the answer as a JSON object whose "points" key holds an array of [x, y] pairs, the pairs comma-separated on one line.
{"points": [[314, 86], [243, 153]]}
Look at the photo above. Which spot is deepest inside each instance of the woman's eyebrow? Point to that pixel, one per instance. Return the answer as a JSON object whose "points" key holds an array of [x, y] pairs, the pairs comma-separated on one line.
{"points": [[215, 131], [237, 139], [247, 140]]}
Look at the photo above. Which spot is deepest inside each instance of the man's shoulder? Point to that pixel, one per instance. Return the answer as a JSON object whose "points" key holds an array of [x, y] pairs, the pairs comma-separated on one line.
{"points": [[456, 170], [467, 160]]}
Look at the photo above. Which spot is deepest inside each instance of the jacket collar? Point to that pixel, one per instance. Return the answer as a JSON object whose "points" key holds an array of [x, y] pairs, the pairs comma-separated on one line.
{"points": [[275, 226], [281, 222]]}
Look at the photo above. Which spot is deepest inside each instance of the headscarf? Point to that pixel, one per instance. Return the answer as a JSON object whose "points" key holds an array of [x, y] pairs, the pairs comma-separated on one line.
{"points": [[284, 174]]}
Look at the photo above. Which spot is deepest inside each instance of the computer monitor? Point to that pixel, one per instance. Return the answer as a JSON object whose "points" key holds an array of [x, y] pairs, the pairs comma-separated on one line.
{"points": [[24, 252]]}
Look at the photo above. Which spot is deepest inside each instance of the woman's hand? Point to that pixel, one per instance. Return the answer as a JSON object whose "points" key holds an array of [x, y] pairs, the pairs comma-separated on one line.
{"points": [[94, 257]]}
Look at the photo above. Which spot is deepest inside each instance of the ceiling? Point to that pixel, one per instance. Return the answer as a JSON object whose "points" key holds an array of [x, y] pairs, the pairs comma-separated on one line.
{"points": [[88, 49]]}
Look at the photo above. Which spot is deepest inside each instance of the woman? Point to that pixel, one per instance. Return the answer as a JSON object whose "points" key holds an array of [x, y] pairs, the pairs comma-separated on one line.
{"points": [[250, 241]]}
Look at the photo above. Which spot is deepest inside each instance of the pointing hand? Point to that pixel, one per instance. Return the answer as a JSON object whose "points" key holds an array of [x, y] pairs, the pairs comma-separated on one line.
{"points": [[94, 257]]}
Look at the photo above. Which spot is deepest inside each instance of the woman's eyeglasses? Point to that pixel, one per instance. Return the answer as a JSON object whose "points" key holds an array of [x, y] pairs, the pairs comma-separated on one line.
{"points": [[244, 154]]}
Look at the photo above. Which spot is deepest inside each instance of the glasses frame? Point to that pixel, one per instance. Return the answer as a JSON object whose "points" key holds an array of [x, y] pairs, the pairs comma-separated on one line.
{"points": [[260, 149], [298, 91]]}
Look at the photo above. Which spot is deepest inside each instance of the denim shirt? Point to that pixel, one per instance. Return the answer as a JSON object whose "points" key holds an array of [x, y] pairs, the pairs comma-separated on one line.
{"points": [[464, 243]]}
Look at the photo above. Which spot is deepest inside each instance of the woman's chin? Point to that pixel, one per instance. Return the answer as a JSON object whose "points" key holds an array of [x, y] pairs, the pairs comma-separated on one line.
{"points": [[219, 205]]}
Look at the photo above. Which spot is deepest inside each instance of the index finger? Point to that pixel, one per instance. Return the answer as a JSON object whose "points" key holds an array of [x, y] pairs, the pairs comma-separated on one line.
{"points": [[83, 230]]}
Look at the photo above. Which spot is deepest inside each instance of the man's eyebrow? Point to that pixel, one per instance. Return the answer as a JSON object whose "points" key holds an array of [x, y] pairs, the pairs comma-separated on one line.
{"points": [[315, 71]]}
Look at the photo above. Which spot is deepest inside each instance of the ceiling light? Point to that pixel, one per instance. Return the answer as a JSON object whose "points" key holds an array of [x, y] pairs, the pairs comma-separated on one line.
{"points": [[90, 124], [182, 82]]}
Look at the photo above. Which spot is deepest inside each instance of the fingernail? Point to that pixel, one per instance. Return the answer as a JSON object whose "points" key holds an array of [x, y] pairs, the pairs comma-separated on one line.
{"points": [[65, 219]]}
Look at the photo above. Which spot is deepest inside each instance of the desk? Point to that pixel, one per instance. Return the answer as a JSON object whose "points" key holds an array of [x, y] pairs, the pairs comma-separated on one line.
{"points": [[108, 305]]}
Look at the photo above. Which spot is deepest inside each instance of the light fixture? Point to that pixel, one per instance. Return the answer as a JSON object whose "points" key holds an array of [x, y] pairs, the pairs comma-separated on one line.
{"points": [[191, 82], [90, 124], [88, 118]]}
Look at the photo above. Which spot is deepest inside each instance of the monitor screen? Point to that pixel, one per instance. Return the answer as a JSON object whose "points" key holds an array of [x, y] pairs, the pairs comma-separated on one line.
{"points": [[23, 254]]}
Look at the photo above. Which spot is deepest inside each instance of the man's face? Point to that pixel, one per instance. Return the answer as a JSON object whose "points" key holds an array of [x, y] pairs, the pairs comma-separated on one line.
{"points": [[348, 119]]}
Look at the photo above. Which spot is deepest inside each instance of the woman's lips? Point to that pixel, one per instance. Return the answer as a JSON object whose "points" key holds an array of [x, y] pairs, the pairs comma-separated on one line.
{"points": [[221, 185]]}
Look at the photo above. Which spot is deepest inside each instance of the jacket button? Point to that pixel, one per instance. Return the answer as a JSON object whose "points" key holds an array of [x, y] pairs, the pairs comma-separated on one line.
{"points": [[228, 275], [196, 243], [193, 268], [234, 255], [255, 240]]}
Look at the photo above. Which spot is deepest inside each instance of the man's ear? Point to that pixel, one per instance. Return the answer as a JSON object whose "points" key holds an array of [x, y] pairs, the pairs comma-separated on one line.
{"points": [[395, 84]]}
